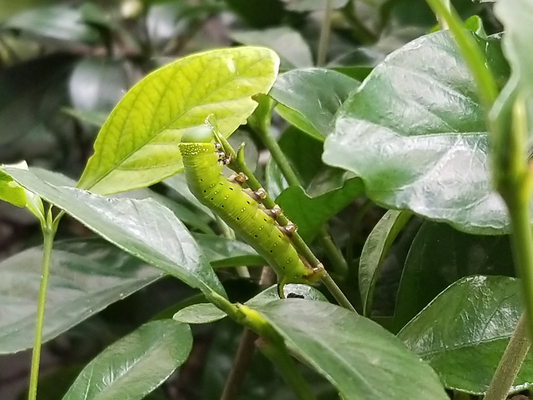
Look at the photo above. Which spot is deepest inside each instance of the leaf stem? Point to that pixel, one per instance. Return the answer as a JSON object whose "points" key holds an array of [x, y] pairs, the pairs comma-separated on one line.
{"points": [[333, 252], [337, 293], [49, 229], [325, 31], [277, 154], [510, 363], [470, 51]]}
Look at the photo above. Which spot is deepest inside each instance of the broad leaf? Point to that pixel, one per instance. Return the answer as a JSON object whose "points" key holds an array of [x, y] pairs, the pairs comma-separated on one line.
{"points": [[415, 133], [309, 98], [311, 213], [85, 277], [135, 365], [516, 17], [464, 331], [439, 256], [374, 251], [138, 144], [286, 42], [360, 358], [143, 228], [56, 22]]}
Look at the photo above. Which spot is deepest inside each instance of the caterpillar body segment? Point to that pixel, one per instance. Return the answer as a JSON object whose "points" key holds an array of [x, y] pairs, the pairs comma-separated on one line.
{"points": [[242, 212]]}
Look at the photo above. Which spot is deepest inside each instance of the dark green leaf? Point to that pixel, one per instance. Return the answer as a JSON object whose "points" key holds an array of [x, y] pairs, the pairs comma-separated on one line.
{"points": [[415, 133], [464, 331], [135, 365], [360, 358], [309, 98], [310, 214], [85, 277], [144, 228], [260, 13], [439, 256], [374, 251]]}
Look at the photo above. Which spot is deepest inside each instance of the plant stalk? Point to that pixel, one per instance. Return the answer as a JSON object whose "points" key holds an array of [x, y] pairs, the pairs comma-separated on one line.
{"points": [[277, 154], [48, 241], [325, 31], [510, 363], [522, 245], [337, 293]]}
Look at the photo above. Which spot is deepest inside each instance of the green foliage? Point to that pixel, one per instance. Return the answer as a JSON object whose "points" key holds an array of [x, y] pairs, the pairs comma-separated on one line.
{"points": [[391, 158]]}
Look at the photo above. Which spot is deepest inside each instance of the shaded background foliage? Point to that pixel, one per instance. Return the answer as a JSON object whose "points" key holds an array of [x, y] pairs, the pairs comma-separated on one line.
{"points": [[64, 66]]}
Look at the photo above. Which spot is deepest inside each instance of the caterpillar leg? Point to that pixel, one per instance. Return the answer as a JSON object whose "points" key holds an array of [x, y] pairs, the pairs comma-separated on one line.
{"points": [[274, 212], [289, 229], [239, 178], [280, 286]]}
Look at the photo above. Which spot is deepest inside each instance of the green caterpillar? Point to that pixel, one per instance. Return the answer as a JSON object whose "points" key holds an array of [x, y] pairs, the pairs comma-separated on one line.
{"points": [[203, 163]]}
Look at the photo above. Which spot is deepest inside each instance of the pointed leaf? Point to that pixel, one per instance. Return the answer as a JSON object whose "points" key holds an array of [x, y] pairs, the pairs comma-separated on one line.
{"points": [[441, 255], [143, 228], [415, 133], [85, 277], [360, 358], [138, 144], [376, 247], [223, 253], [135, 365], [310, 214], [464, 331], [309, 98]]}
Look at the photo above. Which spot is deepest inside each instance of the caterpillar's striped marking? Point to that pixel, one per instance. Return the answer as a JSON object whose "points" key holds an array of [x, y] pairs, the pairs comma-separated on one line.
{"points": [[242, 212]]}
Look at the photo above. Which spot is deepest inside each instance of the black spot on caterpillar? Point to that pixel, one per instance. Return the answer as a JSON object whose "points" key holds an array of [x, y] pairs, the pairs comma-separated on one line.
{"points": [[242, 212]]}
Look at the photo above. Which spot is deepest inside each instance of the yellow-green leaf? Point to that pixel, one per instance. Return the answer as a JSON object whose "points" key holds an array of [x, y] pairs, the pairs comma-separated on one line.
{"points": [[138, 144]]}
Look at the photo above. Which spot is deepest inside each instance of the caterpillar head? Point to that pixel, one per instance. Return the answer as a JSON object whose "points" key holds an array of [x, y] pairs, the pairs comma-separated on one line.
{"points": [[197, 134]]}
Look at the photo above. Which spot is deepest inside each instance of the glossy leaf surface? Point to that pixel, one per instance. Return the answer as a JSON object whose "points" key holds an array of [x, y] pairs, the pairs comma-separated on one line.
{"points": [[464, 331], [374, 251], [223, 252], [415, 133], [286, 42], [135, 365], [309, 98], [85, 277], [138, 144], [143, 228], [439, 256], [360, 358]]}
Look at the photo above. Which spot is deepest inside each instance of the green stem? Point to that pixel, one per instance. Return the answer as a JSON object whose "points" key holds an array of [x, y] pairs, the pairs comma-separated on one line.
{"points": [[337, 293], [333, 253], [510, 363], [442, 22], [48, 241], [522, 244], [470, 51], [355, 231], [325, 31]]}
